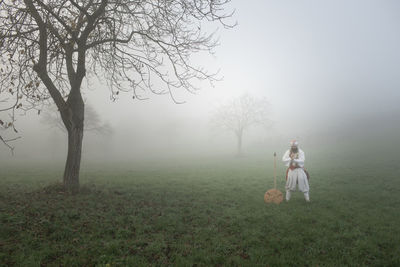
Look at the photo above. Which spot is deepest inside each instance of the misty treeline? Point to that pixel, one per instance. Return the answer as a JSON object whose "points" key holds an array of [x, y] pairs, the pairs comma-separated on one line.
{"points": [[50, 47]]}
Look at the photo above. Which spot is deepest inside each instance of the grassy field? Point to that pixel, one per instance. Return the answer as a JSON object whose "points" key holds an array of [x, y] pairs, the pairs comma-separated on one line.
{"points": [[203, 213]]}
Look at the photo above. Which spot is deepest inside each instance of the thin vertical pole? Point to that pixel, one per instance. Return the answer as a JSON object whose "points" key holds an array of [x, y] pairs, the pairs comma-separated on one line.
{"points": [[275, 170]]}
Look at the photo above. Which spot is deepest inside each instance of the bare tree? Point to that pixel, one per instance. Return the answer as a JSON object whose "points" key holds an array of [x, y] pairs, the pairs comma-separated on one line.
{"points": [[50, 46], [240, 114]]}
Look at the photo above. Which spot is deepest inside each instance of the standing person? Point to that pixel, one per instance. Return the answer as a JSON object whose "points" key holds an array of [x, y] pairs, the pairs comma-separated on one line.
{"points": [[295, 175]]}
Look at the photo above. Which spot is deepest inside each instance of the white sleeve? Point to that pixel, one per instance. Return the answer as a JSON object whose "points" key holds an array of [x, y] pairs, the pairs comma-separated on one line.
{"points": [[301, 158], [286, 157]]}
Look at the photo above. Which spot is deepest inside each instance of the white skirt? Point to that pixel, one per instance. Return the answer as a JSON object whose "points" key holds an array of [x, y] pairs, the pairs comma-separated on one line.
{"points": [[297, 177]]}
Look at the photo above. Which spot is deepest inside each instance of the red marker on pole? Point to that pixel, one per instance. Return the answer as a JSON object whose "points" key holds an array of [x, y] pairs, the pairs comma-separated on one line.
{"points": [[273, 195]]}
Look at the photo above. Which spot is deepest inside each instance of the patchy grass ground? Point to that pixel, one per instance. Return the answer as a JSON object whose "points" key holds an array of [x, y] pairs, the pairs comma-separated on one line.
{"points": [[201, 214]]}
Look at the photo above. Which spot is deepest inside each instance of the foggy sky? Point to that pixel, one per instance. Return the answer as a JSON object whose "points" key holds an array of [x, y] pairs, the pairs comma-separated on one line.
{"points": [[322, 65]]}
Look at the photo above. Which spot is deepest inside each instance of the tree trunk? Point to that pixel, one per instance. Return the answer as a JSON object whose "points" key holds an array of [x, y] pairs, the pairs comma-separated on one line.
{"points": [[73, 164], [73, 120], [239, 144]]}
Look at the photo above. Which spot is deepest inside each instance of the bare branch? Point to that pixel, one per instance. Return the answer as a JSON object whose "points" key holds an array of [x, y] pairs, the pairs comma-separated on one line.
{"points": [[7, 141]]}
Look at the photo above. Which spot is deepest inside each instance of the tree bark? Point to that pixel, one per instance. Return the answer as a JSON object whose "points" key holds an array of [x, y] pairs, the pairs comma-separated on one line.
{"points": [[73, 120], [73, 164]]}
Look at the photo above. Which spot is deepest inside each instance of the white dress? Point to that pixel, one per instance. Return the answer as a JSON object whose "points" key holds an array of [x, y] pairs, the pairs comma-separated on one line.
{"points": [[296, 176]]}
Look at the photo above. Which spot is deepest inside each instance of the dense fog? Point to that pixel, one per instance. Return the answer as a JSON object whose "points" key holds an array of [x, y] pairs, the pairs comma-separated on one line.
{"points": [[329, 69]]}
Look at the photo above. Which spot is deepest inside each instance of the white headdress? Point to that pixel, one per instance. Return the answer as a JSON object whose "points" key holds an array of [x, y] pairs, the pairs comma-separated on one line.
{"points": [[294, 142]]}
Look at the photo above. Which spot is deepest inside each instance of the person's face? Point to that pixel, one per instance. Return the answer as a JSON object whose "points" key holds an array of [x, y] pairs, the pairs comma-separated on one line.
{"points": [[293, 148]]}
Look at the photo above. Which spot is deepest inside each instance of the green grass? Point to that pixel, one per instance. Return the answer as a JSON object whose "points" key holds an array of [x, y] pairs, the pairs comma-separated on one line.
{"points": [[204, 213]]}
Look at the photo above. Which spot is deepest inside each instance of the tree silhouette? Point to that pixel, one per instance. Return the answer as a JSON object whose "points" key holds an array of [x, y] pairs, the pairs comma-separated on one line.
{"points": [[240, 114]]}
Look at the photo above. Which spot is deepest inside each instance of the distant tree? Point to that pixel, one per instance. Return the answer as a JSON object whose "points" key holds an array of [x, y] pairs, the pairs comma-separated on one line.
{"points": [[93, 121], [240, 114], [49, 46]]}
